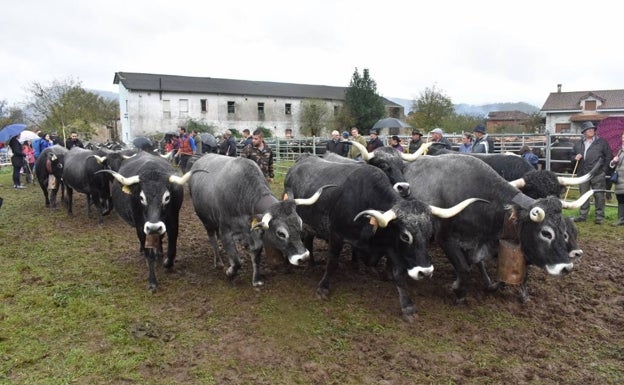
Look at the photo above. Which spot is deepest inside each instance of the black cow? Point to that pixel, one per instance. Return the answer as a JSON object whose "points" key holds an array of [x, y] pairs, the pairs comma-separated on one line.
{"points": [[473, 236], [148, 195], [400, 230], [232, 199], [50, 163], [80, 174]]}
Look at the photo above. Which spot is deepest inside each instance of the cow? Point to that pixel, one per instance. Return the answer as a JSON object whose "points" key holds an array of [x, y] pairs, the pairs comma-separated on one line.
{"points": [[473, 236], [148, 194], [80, 174], [389, 160], [399, 227], [50, 163], [232, 199]]}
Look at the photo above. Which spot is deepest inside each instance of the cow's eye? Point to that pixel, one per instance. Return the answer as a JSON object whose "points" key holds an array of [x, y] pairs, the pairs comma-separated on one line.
{"points": [[166, 198], [143, 199], [282, 233], [547, 234], [566, 237], [406, 237]]}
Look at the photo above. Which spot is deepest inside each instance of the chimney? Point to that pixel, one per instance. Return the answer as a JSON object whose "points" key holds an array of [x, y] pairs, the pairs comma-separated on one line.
{"points": [[559, 88]]}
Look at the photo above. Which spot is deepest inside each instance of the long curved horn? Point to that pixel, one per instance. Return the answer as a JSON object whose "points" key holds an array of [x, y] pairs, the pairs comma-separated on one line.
{"points": [[452, 211], [577, 203], [312, 200], [382, 218], [180, 179], [365, 154], [168, 155], [574, 181], [421, 150], [99, 159], [127, 156], [518, 183], [121, 179]]}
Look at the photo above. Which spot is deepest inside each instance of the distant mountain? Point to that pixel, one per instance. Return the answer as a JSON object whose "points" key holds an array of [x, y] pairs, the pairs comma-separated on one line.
{"points": [[106, 94], [480, 111]]}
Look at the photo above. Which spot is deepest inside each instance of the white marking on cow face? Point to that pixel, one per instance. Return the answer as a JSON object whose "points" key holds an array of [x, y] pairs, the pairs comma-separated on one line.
{"points": [[298, 259], [419, 272], [154, 228], [559, 268], [166, 198], [547, 234], [143, 198], [282, 233], [576, 253]]}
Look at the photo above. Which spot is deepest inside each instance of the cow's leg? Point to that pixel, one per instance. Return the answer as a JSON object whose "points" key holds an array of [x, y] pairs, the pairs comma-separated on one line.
{"points": [[150, 257], [230, 248], [488, 285], [524, 291], [70, 196], [53, 193], [44, 188], [462, 268], [308, 242], [172, 241], [407, 306], [335, 245], [212, 238]]}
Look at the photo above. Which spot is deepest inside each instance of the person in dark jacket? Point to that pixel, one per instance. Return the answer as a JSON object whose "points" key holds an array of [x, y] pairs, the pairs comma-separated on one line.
{"points": [[17, 160], [482, 144], [438, 139], [228, 144], [374, 141], [591, 151], [73, 141], [336, 145], [416, 141]]}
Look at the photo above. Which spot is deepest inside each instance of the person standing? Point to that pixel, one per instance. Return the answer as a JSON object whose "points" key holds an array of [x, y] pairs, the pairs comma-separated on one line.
{"points": [[395, 142], [17, 160], [73, 141], [591, 151], [374, 141], [198, 142], [415, 142], [29, 165], [617, 165], [354, 153], [335, 145], [228, 145], [466, 145], [438, 139], [483, 143], [529, 156], [45, 142], [186, 148], [259, 152], [247, 139]]}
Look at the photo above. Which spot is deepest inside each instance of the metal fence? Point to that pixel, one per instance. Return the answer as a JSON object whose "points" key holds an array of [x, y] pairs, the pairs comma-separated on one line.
{"points": [[553, 150]]}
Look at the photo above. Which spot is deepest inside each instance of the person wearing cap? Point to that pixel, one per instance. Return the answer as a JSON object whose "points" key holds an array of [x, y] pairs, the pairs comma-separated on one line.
{"points": [[438, 139], [482, 144], [395, 142], [354, 153], [374, 141], [415, 142], [589, 152], [466, 144], [335, 145]]}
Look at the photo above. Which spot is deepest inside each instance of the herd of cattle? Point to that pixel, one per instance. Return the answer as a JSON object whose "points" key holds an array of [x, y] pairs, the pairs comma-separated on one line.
{"points": [[388, 205]]}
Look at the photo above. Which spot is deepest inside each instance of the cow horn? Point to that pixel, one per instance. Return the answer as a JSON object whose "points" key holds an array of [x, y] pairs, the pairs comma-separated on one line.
{"points": [[574, 181], [127, 156], [452, 211], [577, 203], [121, 179], [421, 150], [180, 179], [99, 159], [382, 218], [537, 214], [519, 183], [365, 154], [168, 155], [266, 218], [311, 200]]}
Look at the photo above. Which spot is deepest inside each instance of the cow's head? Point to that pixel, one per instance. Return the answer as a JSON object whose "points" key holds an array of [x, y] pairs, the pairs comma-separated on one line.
{"points": [[544, 232], [153, 190], [281, 227], [407, 228]]}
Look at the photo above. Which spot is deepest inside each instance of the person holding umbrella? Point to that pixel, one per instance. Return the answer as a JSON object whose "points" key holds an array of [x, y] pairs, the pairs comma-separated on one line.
{"points": [[589, 152], [17, 160], [617, 165]]}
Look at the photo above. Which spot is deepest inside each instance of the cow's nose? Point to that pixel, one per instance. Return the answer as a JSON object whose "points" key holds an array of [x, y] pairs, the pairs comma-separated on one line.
{"points": [[154, 228]]}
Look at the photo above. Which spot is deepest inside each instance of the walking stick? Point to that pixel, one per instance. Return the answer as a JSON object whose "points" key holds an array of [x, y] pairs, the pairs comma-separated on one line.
{"points": [[573, 174]]}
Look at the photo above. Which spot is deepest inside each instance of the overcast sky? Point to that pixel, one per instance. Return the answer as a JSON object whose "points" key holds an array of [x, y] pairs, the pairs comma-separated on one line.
{"points": [[476, 52]]}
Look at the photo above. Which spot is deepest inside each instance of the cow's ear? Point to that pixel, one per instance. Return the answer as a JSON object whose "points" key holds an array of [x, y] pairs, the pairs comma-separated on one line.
{"points": [[256, 223]]}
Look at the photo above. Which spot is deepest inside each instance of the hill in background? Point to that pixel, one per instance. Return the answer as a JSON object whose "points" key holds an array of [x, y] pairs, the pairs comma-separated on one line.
{"points": [[480, 111]]}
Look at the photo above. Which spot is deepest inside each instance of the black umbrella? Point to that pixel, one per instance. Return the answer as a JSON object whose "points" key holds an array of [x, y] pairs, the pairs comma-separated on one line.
{"points": [[389, 123], [143, 143], [208, 139]]}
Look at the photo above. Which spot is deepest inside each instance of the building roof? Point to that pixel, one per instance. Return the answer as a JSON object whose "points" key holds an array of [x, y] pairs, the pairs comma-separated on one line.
{"points": [[173, 83], [557, 101], [507, 115]]}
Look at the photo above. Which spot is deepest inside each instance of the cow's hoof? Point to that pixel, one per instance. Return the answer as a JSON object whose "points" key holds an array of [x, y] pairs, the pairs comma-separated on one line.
{"points": [[230, 272], [168, 263], [409, 318], [460, 300], [494, 286], [152, 288], [322, 293], [258, 283], [409, 313]]}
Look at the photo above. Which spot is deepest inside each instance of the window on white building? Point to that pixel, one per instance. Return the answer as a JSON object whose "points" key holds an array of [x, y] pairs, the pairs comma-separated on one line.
{"points": [[288, 109], [260, 109], [231, 108], [204, 105], [166, 104], [184, 108]]}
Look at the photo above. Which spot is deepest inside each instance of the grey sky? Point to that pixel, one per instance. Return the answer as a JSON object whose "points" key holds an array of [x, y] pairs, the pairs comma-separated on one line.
{"points": [[476, 51]]}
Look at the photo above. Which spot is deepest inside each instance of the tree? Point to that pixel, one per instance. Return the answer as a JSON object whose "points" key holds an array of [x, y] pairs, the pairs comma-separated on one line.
{"points": [[10, 115], [460, 122], [313, 117], [66, 106], [363, 102], [431, 108], [535, 122]]}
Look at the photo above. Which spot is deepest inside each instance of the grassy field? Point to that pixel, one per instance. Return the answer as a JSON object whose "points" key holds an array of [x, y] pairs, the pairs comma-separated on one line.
{"points": [[75, 309]]}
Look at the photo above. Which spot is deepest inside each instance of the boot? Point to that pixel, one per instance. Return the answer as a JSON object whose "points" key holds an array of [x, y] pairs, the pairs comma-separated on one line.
{"points": [[620, 220]]}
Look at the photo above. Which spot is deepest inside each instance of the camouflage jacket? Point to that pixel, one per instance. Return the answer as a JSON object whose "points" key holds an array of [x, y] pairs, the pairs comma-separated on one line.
{"points": [[263, 157]]}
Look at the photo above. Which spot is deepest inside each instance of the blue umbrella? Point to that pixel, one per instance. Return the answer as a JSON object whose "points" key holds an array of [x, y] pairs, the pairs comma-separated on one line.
{"points": [[10, 131]]}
